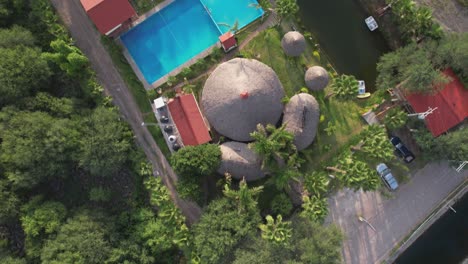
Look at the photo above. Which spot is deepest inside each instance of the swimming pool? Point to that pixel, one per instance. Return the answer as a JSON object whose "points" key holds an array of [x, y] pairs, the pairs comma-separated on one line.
{"points": [[182, 30]]}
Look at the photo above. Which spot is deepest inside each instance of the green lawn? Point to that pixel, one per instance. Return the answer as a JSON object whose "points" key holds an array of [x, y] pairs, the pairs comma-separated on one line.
{"points": [[345, 116], [266, 47], [157, 134]]}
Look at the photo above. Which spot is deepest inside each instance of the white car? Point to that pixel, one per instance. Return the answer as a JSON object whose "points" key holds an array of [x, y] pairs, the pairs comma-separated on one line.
{"points": [[387, 176]]}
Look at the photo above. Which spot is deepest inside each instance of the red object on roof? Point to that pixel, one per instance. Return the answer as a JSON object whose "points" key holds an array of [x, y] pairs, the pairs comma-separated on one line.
{"points": [[108, 15], [188, 120], [451, 103], [244, 95], [228, 41]]}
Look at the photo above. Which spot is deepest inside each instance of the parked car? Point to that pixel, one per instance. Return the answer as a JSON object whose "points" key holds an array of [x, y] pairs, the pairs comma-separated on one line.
{"points": [[387, 176], [401, 150]]}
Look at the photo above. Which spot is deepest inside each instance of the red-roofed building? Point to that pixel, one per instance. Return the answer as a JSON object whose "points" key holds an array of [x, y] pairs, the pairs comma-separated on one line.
{"points": [[109, 16], [188, 120], [228, 41], [451, 103]]}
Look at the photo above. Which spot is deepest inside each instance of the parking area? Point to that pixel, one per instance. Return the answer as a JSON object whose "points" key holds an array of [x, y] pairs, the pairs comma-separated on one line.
{"points": [[392, 217]]}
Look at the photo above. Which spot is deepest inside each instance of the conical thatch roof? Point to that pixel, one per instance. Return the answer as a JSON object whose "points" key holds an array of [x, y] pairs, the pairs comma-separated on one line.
{"points": [[293, 43], [302, 116], [316, 78], [238, 160], [240, 94]]}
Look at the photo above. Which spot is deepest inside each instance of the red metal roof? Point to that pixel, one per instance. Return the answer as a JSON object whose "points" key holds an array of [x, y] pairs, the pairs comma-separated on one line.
{"points": [[188, 120], [451, 103], [108, 14], [228, 40]]}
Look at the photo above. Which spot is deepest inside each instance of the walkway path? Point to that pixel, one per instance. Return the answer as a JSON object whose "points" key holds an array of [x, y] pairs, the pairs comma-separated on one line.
{"points": [[393, 218], [88, 40]]}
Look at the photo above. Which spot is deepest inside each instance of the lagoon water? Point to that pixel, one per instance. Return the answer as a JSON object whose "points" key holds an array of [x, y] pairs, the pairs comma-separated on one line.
{"points": [[342, 33], [445, 242]]}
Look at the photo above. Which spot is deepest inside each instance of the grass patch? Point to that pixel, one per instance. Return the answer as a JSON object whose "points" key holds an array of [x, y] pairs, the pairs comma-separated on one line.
{"points": [[340, 122], [143, 6], [344, 116], [138, 92], [157, 134], [266, 47], [129, 76]]}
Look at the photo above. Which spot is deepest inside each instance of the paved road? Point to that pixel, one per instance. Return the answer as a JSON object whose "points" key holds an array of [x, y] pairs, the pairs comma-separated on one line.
{"points": [[88, 40], [394, 217]]}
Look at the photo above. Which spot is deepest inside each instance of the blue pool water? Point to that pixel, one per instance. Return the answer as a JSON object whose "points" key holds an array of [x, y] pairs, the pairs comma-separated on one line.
{"points": [[226, 12], [183, 29]]}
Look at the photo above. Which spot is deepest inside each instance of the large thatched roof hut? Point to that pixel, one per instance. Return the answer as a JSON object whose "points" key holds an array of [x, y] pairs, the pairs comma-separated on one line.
{"points": [[302, 116], [238, 160], [240, 94], [293, 43], [316, 78]]}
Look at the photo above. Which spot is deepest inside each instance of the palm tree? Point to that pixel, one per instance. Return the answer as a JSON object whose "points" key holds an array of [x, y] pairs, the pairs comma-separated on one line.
{"points": [[314, 208], [235, 27], [375, 143], [278, 232], [316, 183], [245, 197], [355, 174], [345, 87], [275, 146], [286, 9], [282, 177], [395, 118]]}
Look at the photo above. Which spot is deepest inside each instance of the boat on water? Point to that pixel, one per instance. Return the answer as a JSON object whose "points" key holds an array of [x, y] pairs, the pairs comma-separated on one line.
{"points": [[362, 90], [371, 23]]}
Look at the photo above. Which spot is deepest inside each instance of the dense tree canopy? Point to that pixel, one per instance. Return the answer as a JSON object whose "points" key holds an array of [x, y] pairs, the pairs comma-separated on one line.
{"points": [[16, 36], [310, 243], [452, 146], [219, 230], [68, 57], [196, 161], [36, 147], [418, 66], [105, 142], [22, 71], [286, 8], [82, 239], [415, 21], [40, 219], [9, 202]]}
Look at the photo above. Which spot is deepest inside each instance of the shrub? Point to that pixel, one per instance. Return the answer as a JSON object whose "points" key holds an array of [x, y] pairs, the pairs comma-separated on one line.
{"points": [[196, 161], [100, 194], [281, 204]]}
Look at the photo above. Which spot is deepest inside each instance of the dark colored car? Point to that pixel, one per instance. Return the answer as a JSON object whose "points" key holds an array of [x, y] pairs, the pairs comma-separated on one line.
{"points": [[387, 176], [401, 150]]}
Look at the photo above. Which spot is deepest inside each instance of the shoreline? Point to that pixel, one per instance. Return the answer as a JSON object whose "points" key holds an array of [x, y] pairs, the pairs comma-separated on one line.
{"points": [[387, 26], [432, 218]]}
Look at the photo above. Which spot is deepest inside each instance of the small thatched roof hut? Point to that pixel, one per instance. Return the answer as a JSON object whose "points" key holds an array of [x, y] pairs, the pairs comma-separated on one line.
{"points": [[316, 78], [302, 116], [238, 160], [293, 43], [240, 94]]}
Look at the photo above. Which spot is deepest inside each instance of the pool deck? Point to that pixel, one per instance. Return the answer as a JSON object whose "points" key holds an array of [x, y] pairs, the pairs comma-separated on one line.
{"points": [[164, 78], [155, 9]]}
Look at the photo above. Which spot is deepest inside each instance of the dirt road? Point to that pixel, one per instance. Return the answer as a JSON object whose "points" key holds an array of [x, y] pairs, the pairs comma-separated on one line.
{"points": [[88, 40]]}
